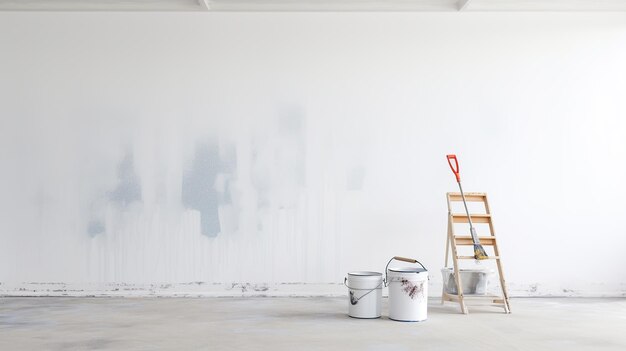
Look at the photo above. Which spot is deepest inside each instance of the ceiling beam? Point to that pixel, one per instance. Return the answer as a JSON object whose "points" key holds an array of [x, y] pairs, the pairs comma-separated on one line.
{"points": [[313, 5], [463, 5], [205, 5]]}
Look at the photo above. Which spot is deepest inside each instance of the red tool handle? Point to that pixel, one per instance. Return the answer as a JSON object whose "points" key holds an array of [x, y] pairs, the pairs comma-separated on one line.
{"points": [[455, 168]]}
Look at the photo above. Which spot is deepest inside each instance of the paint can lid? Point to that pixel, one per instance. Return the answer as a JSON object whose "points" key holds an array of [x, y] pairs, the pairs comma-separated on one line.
{"points": [[408, 270], [365, 274]]}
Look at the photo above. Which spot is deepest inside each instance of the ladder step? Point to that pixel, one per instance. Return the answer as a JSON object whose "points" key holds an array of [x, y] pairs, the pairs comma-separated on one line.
{"points": [[495, 298], [472, 257], [467, 240], [469, 197], [476, 218]]}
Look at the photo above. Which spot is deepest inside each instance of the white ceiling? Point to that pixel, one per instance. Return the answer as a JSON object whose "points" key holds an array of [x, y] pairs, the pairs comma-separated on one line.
{"points": [[313, 5]]}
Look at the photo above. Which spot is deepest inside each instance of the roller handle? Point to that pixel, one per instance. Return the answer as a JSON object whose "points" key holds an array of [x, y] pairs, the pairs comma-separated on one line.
{"points": [[409, 260], [455, 167]]}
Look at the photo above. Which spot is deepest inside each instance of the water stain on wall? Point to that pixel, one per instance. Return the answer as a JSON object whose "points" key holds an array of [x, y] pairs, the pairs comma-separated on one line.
{"points": [[228, 158], [206, 185], [128, 189], [95, 227], [291, 129], [356, 177], [281, 161]]}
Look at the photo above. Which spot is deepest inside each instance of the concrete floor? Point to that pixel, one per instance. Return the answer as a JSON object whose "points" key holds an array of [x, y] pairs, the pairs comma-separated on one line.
{"points": [[303, 324]]}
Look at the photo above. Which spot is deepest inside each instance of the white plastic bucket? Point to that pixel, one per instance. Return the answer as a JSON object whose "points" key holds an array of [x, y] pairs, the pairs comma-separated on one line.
{"points": [[408, 294], [474, 281], [365, 290]]}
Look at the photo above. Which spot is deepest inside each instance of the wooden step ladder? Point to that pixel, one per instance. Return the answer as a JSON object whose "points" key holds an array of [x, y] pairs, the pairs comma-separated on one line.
{"points": [[454, 241]]}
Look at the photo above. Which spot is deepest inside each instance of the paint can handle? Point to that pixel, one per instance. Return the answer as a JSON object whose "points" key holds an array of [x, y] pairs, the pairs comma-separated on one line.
{"points": [[354, 300], [404, 259]]}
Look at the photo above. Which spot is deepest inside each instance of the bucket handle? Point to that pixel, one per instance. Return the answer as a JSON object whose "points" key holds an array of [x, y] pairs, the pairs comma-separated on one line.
{"points": [[354, 300], [399, 258]]}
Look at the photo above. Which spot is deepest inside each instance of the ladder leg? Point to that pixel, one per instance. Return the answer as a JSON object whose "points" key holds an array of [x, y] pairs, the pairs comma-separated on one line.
{"points": [[505, 293], [459, 288], [455, 261], [443, 286]]}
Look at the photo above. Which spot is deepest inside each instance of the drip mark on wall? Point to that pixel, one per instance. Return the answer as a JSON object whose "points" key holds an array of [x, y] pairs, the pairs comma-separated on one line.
{"points": [[198, 190], [127, 191], [128, 188], [291, 132], [227, 167]]}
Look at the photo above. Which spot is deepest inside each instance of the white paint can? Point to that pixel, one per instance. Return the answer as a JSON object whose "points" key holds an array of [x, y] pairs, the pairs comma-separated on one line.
{"points": [[365, 292], [408, 294]]}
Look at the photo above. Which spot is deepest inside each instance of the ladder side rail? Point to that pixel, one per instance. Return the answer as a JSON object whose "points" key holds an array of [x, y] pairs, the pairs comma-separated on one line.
{"points": [[496, 250], [455, 261]]}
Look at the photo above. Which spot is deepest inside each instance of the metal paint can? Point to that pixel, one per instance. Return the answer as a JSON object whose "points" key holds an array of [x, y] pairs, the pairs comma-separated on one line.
{"points": [[408, 294], [365, 293]]}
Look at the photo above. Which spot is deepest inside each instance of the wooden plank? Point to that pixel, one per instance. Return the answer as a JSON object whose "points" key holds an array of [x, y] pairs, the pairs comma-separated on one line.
{"points": [[496, 250], [477, 300], [469, 197], [450, 297], [470, 193], [483, 297], [455, 262], [467, 240], [473, 258], [473, 297], [447, 252], [476, 218]]}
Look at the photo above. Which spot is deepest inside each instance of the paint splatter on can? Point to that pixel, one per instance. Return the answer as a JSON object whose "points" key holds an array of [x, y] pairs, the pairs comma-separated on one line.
{"points": [[408, 294], [365, 292]]}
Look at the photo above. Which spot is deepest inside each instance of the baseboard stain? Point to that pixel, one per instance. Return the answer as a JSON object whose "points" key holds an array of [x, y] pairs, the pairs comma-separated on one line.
{"points": [[282, 289]]}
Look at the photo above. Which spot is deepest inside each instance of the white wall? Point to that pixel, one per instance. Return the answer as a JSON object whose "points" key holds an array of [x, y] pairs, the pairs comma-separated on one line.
{"points": [[310, 144]]}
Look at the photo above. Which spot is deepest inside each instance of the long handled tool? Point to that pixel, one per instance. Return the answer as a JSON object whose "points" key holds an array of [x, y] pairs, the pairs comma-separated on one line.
{"points": [[479, 251]]}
